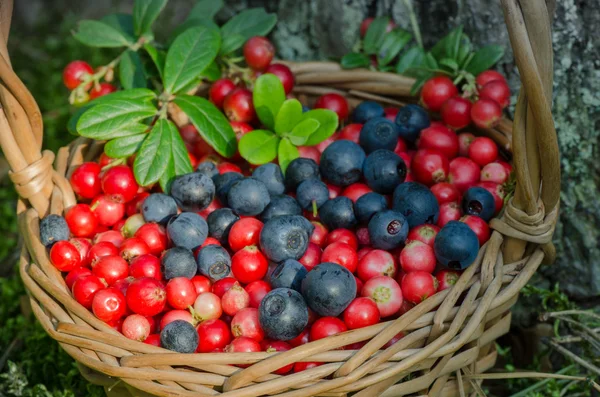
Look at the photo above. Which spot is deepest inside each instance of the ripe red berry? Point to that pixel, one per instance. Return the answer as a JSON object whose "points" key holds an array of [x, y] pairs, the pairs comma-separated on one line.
{"points": [[218, 91], [258, 52], [235, 299], [424, 233], [181, 293], [245, 323], [449, 212], [75, 72], [464, 173], [418, 286], [84, 289], [74, 274], [81, 220], [134, 206], [238, 105], [464, 141], [256, 291], [334, 102], [100, 249], [351, 132], [108, 209], [356, 190], [65, 256], [326, 326], [109, 305], [312, 256], [213, 334], [376, 263], [479, 226], [101, 90], [429, 166], [362, 235], [303, 366], [111, 269], [446, 278], [154, 236], [342, 254], [494, 172], [483, 150], [497, 191], [441, 138], [391, 113], [174, 315], [85, 180], [319, 234], [207, 306], [486, 113], [284, 74], [445, 192], [223, 285], [278, 346], [119, 181], [417, 256], [488, 75], [226, 166], [342, 236], [132, 248], [323, 145], [498, 91], [436, 91], [146, 296], [310, 152], [386, 293], [145, 266], [201, 284], [249, 264], [136, 327], [361, 312], [243, 345], [244, 233], [456, 112]]}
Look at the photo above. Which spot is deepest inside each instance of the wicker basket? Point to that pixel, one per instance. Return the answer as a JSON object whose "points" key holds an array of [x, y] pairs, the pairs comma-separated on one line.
{"points": [[449, 341]]}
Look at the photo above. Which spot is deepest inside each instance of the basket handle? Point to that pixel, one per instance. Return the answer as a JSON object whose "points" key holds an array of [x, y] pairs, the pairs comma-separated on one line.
{"points": [[21, 129]]}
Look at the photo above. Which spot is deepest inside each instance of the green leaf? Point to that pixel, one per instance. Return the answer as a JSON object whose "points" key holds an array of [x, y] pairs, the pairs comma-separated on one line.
{"points": [[100, 34], [259, 146], [212, 72], [449, 63], [464, 51], [124, 147], [268, 96], [180, 160], [145, 13], [288, 116], [190, 23], [191, 52], [443, 47], [131, 71], [484, 59], [210, 123], [115, 118], [412, 58], [157, 56], [154, 155], [302, 131], [414, 90], [121, 22], [375, 35], [167, 177], [355, 60], [286, 154], [453, 44], [232, 43], [328, 123], [393, 43], [205, 9], [249, 23]]}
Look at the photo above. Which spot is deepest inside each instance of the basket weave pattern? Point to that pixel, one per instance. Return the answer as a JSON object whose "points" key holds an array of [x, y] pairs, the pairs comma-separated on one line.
{"points": [[449, 341]]}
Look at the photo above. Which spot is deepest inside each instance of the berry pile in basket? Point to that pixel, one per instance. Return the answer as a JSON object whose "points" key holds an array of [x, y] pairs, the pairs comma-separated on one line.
{"points": [[241, 257]]}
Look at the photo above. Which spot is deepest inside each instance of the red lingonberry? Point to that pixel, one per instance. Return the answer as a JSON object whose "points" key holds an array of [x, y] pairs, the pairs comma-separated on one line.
{"points": [[355, 191], [418, 286], [109, 304], [479, 227], [76, 273], [376, 263], [244, 233], [498, 91], [436, 91], [129, 226], [464, 173], [497, 191], [487, 76], [213, 334], [145, 266], [456, 112], [486, 113], [494, 172], [258, 52], [256, 291], [249, 264], [240, 129], [65, 256], [439, 137], [361, 312], [312, 256], [132, 248], [181, 293], [245, 323], [201, 284], [83, 245], [326, 326], [445, 192], [101, 90], [146, 296], [238, 105], [154, 236], [110, 236], [111, 269], [362, 235], [363, 251], [446, 278], [84, 289], [100, 249], [424, 233], [323, 145], [417, 256], [81, 220], [342, 254], [207, 306], [390, 113], [342, 236], [235, 299], [226, 167], [174, 315], [351, 132], [334, 102], [218, 91], [429, 166], [134, 206], [223, 285], [284, 74], [464, 141], [85, 180], [449, 212], [136, 327], [120, 181], [319, 234], [271, 346], [310, 152], [483, 150], [386, 293], [108, 209], [75, 72]]}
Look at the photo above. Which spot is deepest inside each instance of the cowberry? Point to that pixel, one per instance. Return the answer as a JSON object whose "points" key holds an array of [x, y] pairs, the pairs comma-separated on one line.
{"points": [[429, 166], [326, 326], [257, 291], [181, 293], [355, 191], [479, 226], [235, 299], [145, 266], [319, 234], [223, 285], [146, 296], [258, 52], [342, 254], [108, 209], [109, 305], [218, 91], [464, 141], [201, 284], [133, 247], [486, 113], [284, 74], [456, 112], [249, 264], [100, 249], [424, 233], [440, 137], [464, 173], [436, 91], [334, 102], [245, 323], [101, 90], [497, 191], [65, 256], [120, 181], [386, 293], [362, 312], [376, 263], [494, 172], [213, 334], [496, 90], [487, 76], [76, 273], [312, 256], [207, 306], [129, 226], [238, 105], [271, 346], [351, 132], [418, 286], [342, 236], [483, 150], [81, 220], [84, 289], [445, 192], [417, 256], [155, 237], [75, 72], [449, 212], [136, 327], [446, 278], [85, 180], [111, 269], [310, 152]]}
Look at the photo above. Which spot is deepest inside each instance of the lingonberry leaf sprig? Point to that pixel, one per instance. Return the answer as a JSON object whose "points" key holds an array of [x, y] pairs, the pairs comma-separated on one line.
{"points": [[154, 77]]}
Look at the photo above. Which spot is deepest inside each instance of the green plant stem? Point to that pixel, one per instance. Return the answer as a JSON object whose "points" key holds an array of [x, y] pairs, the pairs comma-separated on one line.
{"points": [[573, 312], [541, 383], [567, 353], [414, 23]]}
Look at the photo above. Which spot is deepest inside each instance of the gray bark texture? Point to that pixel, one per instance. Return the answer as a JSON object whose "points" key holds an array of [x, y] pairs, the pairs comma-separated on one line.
{"points": [[327, 29]]}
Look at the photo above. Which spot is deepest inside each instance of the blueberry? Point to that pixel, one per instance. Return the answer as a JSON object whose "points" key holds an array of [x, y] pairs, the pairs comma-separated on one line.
{"points": [[456, 245], [368, 205], [411, 119], [312, 194], [219, 223], [379, 133], [281, 205], [248, 196], [384, 170], [283, 314], [178, 262], [188, 230], [223, 183], [300, 170], [53, 228], [366, 111], [208, 168], [214, 262], [270, 174], [479, 202], [179, 336], [338, 213], [388, 229], [158, 207], [284, 237], [328, 289], [342, 162], [416, 202], [193, 192], [289, 274]]}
